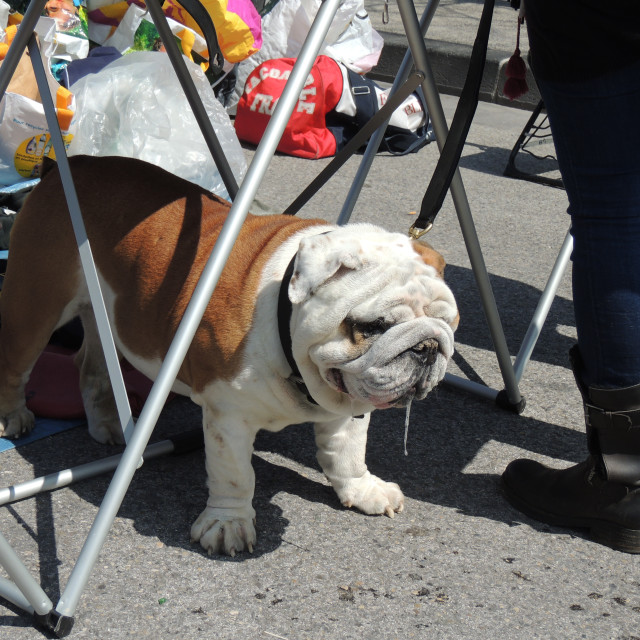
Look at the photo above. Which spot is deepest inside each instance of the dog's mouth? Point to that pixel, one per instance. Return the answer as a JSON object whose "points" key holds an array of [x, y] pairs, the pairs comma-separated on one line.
{"points": [[383, 398], [335, 379]]}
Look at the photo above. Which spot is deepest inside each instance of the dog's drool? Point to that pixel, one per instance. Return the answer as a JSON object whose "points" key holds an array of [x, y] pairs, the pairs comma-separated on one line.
{"points": [[406, 424]]}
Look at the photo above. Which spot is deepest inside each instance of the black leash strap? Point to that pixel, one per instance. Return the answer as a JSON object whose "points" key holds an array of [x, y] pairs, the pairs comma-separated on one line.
{"points": [[452, 149], [357, 141]]}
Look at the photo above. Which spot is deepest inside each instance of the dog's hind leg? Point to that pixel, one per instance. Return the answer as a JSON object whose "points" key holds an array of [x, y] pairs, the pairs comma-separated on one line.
{"points": [[38, 295], [32, 306], [95, 385], [17, 357]]}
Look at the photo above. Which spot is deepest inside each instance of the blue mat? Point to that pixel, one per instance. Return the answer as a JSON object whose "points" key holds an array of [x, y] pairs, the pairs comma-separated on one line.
{"points": [[44, 427]]}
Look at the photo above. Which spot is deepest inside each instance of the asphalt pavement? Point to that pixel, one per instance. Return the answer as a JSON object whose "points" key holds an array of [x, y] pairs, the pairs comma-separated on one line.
{"points": [[459, 562]]}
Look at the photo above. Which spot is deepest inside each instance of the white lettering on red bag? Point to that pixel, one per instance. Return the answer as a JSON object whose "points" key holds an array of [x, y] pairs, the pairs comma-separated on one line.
{"points": [[272, 73], [251, 85], [303, 104], [263, 103]]}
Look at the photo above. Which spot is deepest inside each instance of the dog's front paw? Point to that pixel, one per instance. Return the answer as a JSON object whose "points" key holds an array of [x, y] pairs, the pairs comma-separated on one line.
{"points": [[371, 495], [16, 423], [224, 531]]}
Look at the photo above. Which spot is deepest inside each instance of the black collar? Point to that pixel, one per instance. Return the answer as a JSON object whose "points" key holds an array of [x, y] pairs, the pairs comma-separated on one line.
{"points": [[284, 320]]}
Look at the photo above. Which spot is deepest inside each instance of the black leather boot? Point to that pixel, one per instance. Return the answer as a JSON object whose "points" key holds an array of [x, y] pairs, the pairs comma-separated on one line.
{"points": [[601, 494]]}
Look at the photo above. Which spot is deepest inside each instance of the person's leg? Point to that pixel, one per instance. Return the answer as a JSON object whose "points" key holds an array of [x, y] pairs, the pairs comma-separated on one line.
{"points": [[596, 129], [597, 134]]}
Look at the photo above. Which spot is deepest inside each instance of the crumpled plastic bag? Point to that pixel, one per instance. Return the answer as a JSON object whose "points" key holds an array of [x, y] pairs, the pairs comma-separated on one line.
{"points": [[136, 107], [24, 130], [359, 45], [351, 38]]}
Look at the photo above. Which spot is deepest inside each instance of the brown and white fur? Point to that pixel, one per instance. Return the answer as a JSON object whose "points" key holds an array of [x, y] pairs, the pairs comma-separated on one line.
{"points": [[371, 325]]}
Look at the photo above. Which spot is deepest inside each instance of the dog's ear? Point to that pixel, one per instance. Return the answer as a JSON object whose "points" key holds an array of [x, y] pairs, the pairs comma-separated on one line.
{"points": [[321, 257], [430, 256]]}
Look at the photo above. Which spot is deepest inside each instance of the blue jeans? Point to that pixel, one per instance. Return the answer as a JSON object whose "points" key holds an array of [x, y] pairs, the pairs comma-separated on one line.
{"points": [[596, 129]]}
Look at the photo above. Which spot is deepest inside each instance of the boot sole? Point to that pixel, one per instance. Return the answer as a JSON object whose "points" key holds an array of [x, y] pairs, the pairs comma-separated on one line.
{"points": [[603, 532]]}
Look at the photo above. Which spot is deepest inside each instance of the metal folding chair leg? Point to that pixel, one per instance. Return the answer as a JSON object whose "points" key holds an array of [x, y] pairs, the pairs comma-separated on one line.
{"points": [[84, 248], [376, 139], [511, 396], [544, 304]]}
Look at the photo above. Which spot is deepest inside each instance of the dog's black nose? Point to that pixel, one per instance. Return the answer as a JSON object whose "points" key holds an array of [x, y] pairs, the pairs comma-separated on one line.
{"points": [[427, 351]]}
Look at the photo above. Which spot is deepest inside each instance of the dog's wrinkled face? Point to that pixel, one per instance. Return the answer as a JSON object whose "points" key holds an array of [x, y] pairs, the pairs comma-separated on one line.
{"points": [[375, 321]]}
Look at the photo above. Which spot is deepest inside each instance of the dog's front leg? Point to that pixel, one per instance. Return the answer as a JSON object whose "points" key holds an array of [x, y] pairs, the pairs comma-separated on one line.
{"points": [[341, 453], [227, 523]]}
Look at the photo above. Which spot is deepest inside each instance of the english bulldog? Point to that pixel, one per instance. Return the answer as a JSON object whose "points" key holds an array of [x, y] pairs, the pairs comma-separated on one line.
{"points": [[309, 322]]}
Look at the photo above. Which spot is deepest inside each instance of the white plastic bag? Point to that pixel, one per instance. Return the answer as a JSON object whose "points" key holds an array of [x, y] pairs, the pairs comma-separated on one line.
{"points": [[24, 132], [351, 39], [359, 45], [4, 14], [135, 107]]}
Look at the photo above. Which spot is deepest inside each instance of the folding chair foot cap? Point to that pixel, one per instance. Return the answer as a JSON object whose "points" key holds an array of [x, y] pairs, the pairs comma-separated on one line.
{"points": [[55, 622], [502, 400]]}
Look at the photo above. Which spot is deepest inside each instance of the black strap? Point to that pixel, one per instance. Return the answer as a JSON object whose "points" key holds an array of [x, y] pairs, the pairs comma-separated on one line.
{"points": [[363, 92], [195, 9], [452, 150]]}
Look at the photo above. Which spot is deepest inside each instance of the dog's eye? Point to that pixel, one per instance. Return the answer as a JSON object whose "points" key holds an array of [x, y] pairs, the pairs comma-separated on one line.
{"points": [[376, 327], [364, 330]]}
